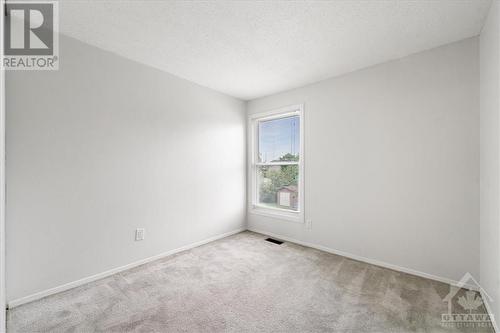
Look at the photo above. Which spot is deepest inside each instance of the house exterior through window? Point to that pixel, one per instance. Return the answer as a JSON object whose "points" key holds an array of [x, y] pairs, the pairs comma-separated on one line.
{"points": [[277, 163]]}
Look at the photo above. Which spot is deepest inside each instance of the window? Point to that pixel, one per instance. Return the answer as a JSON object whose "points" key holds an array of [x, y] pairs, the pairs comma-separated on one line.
{"points": [[276, 158]]}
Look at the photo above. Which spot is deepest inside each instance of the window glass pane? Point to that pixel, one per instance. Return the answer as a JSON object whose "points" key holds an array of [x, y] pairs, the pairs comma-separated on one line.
{"points": [[277, 186], [279, 139]]}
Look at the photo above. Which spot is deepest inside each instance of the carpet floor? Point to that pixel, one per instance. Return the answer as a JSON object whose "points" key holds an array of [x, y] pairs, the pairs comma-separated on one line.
{"points": [[244, 284]]}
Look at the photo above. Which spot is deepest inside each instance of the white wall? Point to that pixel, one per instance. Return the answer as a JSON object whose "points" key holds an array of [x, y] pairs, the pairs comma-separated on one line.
{"points": [[105, 145], [392, 162], [3, 323], [490, 166]]}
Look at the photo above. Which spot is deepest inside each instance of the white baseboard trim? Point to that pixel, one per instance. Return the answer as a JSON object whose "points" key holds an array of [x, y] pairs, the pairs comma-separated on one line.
{"points": [[365, 260], [77, 283], [488, 309]]}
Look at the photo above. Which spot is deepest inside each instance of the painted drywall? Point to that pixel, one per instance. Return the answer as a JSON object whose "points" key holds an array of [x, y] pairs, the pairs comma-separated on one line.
{"points": [[392, 162], [489, 156], [3, 322], [250, 49], [106, 145]]}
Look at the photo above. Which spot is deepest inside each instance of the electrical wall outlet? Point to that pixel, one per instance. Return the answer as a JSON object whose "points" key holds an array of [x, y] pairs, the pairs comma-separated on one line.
{"points": [[139, 234]]}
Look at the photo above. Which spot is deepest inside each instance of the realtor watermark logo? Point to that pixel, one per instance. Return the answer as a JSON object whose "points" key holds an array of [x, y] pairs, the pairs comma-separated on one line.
{"points": [[31, 40], [466, 306]]}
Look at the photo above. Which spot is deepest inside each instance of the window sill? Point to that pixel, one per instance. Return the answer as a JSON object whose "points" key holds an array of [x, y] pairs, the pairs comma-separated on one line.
{"points": [[277, 214]]}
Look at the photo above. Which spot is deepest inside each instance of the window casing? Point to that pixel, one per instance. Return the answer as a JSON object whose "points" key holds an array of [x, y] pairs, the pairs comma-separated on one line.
{"points": [[276, 158]]}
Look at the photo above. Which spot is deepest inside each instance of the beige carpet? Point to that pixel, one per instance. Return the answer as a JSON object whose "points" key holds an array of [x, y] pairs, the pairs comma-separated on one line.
{"points": [[245, 284]]}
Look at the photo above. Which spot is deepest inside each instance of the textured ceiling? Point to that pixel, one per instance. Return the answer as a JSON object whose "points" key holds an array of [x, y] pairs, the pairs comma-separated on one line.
{"points": [[250, 49]]}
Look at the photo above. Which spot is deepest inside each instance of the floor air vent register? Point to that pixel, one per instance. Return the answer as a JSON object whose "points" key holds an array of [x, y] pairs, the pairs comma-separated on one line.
{"points": [[275, 241]]}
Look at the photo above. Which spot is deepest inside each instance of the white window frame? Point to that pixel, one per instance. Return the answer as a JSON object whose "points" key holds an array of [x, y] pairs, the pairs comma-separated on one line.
{"points": [[253, 137]]}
